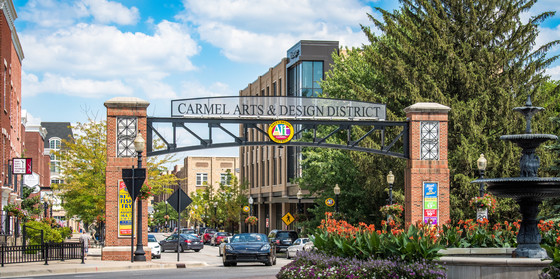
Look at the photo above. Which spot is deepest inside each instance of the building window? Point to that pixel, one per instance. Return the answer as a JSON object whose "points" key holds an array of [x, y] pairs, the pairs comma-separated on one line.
{"points": [[274, 89], [304, 79], [225, 178], [126, 133], [429, 140], [57, 181], [55, 167], [54, 144], [201, 179]]}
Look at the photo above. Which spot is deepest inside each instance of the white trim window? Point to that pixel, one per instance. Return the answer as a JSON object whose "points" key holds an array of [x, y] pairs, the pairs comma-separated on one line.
{"points": [[225, 178], [201, 179]]}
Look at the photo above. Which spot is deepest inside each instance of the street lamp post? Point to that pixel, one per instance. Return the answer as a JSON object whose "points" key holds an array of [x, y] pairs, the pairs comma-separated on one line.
{"points": [[481, 213], [481, 164], [390, 180], [250, 210], [299, 197], [336, 193], [139, 254], [216, 214], [51, 202], [45, 206]]}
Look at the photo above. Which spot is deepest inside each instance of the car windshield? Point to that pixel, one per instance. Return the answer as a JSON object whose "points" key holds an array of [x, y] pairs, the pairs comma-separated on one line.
{"points": [[285, 235], [249, 237], [152, 238]]}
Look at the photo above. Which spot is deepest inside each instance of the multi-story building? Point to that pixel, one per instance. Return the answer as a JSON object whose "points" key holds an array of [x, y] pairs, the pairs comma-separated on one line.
{"points": [[270, 170], [11, 145], [56, 133], [198, 172]]}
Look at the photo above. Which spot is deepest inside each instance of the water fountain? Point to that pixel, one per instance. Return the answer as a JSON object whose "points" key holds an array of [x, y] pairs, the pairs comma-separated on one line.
{"points": [[528, 189]]}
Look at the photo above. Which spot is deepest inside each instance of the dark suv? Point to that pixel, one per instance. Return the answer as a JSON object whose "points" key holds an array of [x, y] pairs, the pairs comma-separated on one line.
{"points": [[282, 239]]}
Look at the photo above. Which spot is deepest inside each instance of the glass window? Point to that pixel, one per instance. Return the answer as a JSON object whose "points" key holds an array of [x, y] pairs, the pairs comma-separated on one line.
{"points": [[225, 178], [307, 75], [54, 144], [201, 179]]}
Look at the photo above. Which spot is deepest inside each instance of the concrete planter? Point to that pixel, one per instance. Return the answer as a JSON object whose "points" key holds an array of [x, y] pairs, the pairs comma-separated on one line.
{"points": [[486, 263]]}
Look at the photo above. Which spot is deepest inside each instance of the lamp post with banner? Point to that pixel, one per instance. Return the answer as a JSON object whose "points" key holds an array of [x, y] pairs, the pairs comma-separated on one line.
{"points": [[481, 163]]}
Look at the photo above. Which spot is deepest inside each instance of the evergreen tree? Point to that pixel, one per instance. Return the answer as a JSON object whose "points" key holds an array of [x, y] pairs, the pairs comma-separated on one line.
{"points": [[477, 57]]}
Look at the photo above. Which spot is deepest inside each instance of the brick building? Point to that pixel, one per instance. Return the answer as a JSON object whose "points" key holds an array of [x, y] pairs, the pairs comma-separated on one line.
{"points": [[11, 127], [270, 169]]}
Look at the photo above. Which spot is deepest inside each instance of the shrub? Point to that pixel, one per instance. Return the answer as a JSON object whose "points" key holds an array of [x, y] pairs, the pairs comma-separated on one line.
{"points": [[310, 264]]}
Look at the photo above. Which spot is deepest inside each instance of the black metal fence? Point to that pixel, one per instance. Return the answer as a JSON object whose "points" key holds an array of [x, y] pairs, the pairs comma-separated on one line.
{"points": [[41, 253]]}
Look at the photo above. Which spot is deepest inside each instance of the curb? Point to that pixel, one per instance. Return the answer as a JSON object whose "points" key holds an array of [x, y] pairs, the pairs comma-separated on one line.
{"points": [[85, 268]]}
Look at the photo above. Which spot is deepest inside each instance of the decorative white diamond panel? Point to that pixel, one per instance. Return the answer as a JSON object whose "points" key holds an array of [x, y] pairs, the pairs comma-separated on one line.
{"points": [[429, 140], [126, 132]]}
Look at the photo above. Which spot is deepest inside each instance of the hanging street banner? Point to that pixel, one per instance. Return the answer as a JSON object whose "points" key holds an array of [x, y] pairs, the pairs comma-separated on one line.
{"points": [[283, 107], [22, 166], [430, 202], [125, 211]]}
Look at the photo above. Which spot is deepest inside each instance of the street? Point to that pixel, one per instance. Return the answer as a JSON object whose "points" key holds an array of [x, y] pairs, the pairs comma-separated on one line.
{"points": [[209, 265]]}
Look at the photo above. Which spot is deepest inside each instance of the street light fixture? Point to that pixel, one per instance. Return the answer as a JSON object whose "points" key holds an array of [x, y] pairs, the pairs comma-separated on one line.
{"points": [[139, 255], [390, 180], [45, 205], [299, 197], [336, 193], [481, 163], [216, 213]]}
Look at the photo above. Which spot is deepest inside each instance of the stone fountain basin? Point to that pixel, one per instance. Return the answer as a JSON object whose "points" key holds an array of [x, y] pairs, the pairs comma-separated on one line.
{"points": [[523, 187]]}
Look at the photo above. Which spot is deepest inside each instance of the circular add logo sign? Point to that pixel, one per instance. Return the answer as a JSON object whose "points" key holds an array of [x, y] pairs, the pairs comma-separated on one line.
{"points": [[281, 131], [329, 202]]}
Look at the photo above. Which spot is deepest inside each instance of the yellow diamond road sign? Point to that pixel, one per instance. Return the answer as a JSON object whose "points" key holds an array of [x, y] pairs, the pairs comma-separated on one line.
{"points": [[288, 219]]}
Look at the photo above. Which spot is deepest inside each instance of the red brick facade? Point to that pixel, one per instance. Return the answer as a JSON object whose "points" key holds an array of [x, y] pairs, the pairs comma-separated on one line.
{"points": [[419, 171], [118, 248], [11, 128], [35, 149]]}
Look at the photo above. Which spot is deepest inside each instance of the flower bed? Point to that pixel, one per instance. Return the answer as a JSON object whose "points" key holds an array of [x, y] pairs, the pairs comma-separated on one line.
{"points": [[312, 264]]}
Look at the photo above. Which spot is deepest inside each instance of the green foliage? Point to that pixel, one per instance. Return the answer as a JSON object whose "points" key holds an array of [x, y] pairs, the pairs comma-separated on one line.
{"points": [[162, 209], [50, 234], [463, 55], [83, 161], [230, 201]]}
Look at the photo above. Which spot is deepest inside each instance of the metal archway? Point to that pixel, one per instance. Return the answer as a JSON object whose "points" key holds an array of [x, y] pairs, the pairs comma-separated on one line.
{"points": [[397, 146]]}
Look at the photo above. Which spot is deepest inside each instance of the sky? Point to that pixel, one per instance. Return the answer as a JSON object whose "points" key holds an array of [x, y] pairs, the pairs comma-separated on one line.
{"points": [[79, 54]]}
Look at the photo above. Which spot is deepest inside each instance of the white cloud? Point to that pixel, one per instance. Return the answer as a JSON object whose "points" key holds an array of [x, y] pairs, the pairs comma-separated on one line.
{"points": [[105, 11], [155, 89], [194, 89], [86, 88], [60, 14], [261, 31], [554, 72], [105, 51]]}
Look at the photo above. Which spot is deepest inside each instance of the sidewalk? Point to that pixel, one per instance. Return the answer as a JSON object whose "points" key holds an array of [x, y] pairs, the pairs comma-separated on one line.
{"points": [[92, 264]]}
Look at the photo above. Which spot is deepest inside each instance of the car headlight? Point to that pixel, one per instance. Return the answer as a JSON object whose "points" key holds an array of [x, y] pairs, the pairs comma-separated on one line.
{"points": [[228, 247], [265, 247], [157, 246]]}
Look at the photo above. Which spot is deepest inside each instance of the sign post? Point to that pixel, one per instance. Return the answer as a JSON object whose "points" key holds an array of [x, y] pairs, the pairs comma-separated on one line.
{"points": [[179, 200]]}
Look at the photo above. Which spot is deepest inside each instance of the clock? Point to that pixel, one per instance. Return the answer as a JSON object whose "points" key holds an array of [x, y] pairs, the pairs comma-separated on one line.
{"points": [[126, 132], [429, 140]]}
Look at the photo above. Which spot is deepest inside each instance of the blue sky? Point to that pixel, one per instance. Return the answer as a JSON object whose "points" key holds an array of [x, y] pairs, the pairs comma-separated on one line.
{"points": [[78, 54]]}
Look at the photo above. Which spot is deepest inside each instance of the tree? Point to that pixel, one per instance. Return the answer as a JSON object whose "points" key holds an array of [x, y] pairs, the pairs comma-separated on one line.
{"points": [[476, 57], [230, 200], [83, 168]]}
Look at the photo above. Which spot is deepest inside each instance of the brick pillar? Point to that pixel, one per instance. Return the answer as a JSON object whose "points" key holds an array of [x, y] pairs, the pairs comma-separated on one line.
{"points": [[125, 117], [427, 166]]}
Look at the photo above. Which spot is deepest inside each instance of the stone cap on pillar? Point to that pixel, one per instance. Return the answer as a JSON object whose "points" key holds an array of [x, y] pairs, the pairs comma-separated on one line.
{"points": [[427, 107], [126, 102]]}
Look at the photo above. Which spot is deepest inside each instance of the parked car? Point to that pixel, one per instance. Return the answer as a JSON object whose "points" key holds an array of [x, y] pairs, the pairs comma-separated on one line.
{"points": [[222, 246], [187, 242], [282, 239], [187, 231], [200, 231], [249, 247], [154, 246], [207, 236], [298, 245], [218, 237]]}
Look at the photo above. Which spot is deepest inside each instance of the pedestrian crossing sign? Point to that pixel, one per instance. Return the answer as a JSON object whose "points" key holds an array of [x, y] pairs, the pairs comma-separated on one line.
{"points": [[288, 219]]}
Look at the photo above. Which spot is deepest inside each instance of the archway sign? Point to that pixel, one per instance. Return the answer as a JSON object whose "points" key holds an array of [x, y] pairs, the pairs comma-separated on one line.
{"points": [[292, 121]]}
